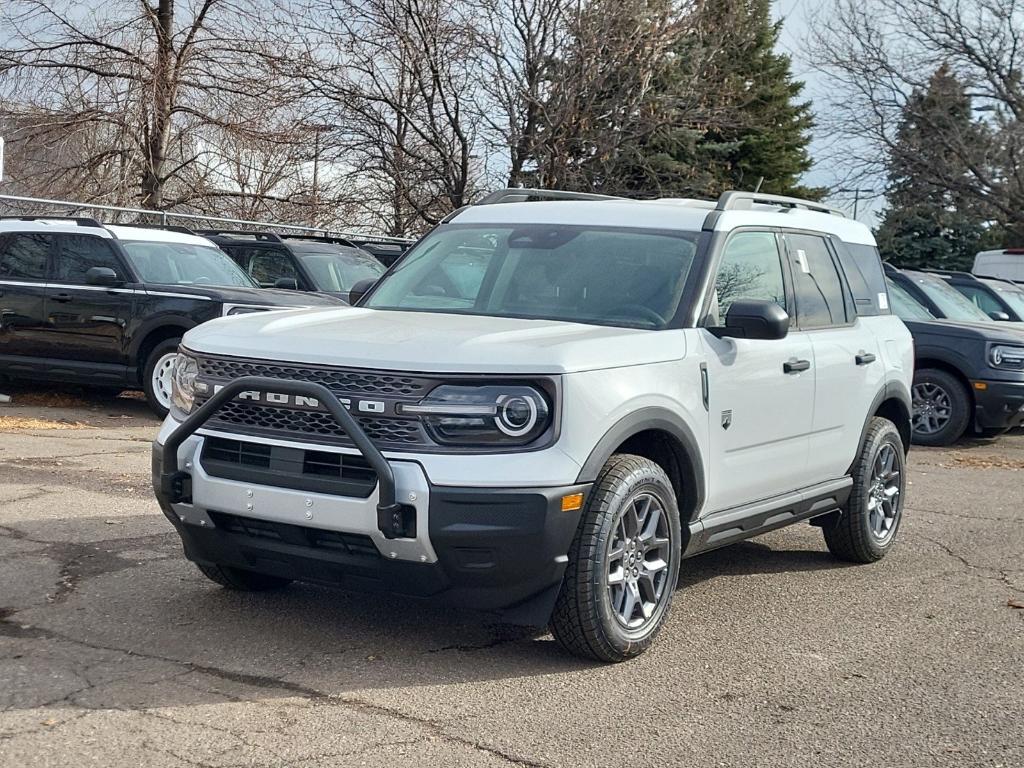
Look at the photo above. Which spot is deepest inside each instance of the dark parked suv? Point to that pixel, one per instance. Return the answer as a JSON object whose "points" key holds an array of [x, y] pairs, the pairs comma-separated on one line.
{"points": [[326, 264], [967, 375], [106, 306], [999, 299]]}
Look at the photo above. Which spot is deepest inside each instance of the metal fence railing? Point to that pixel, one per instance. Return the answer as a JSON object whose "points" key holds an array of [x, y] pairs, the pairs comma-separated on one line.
{"points": [[18, 205]]}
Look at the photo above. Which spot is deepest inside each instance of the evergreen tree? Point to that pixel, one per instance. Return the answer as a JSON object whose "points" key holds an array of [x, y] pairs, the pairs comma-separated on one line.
{"points": [[924, 224]]}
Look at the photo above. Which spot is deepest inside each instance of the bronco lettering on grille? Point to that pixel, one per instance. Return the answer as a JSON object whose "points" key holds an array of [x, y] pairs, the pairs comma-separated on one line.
{"points": [[300, 401]]}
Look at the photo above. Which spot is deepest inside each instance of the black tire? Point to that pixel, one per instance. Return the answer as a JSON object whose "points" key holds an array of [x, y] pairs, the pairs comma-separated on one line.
{"points": [[960, 406], [855, 536], [242, 581], [156, 354], [584, 621]]}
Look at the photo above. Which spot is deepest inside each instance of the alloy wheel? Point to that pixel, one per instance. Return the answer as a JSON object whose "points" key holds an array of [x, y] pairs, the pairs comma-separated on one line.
{"points": [[637, 562], [933, 408], [884, 493]]}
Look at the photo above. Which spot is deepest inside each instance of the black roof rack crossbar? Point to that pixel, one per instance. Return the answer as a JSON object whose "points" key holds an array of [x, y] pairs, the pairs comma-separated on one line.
{"points": [[319, 238], [272, 237], [512, 195], [82, 221], [738, 200]]}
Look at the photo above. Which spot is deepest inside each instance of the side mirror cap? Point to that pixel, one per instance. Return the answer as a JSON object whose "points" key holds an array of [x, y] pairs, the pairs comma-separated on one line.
{"points": [[754, 319], [287, 283], [360, 289], [1002, 317], [103, 276]]}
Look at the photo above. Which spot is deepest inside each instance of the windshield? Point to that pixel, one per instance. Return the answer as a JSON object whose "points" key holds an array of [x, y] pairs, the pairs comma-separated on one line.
{"points": [[596, 275], [953, 304], [1013, 297], [340, 269], [906, 306], [184, 264]]}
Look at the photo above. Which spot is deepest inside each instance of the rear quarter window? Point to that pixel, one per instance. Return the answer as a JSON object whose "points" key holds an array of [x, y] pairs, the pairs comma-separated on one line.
{"points": [[862, 266]]}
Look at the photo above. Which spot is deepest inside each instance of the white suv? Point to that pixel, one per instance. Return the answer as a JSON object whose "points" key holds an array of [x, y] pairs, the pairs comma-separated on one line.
{"points": [[544, 407]]}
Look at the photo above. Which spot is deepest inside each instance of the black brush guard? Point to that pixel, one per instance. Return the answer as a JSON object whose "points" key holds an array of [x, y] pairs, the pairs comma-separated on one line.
{"points": [[176, 485]]}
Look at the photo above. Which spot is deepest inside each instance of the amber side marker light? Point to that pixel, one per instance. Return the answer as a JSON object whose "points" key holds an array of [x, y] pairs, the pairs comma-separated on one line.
{"points": [[572, 502], [981, 386]]}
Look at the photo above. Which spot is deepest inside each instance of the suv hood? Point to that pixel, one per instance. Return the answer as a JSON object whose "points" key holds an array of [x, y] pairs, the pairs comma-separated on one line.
{"points": [[432, 342], [262, 296], [1009, 333]]}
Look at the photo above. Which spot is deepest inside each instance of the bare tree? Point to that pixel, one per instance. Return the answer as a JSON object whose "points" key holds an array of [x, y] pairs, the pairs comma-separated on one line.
{"points": [[127, 95], [877, 53]]}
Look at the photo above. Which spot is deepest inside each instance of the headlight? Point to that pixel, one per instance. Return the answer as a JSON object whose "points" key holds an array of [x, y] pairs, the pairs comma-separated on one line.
{"points": [[1005, 356], [483, 415], [183, 383]]}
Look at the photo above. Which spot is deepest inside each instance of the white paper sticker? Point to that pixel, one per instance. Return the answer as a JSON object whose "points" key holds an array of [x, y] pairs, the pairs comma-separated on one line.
{"points": [[883, 300], [801, 257]]}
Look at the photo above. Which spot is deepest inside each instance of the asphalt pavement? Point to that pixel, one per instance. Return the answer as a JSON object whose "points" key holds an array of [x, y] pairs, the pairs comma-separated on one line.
{"points": [[115, 651]]}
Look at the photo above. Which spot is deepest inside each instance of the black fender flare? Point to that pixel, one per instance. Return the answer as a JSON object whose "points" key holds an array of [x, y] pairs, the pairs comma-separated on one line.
{"points": [[892, 390], [141, 333], [642, 420]]}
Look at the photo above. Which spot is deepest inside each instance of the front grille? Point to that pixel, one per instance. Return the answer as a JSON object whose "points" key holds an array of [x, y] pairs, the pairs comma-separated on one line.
{"points": [[335, 379], [316, 426], [353, 544], [385, 428], [286, 467]]}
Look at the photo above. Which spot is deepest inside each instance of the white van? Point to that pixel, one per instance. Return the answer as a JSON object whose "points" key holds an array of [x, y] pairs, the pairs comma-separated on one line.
{"points": [[1007, 264]]}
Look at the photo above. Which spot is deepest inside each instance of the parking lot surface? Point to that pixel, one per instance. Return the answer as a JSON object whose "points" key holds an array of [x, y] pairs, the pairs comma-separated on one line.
{"points": [[115, 651]]}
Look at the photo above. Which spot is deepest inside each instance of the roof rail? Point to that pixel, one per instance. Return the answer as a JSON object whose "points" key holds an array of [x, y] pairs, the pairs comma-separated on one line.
{"points": [[949, 272], [522, 195], [736, 200], [82, 221], [169, 227], [271, 237], [320, 239]]}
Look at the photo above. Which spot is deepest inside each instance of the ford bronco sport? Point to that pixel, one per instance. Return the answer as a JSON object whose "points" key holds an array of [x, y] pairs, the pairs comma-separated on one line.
{"points": [[544, 407]]}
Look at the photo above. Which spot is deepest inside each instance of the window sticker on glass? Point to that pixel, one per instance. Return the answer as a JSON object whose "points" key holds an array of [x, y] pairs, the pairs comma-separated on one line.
{"points": [[801, 258], [883, 301]]}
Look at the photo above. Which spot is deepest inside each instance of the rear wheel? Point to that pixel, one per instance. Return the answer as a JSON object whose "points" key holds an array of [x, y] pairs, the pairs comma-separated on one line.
{"points": [[242, 581], [157, 373], [866, 528], [942, 408], [623, 564]]}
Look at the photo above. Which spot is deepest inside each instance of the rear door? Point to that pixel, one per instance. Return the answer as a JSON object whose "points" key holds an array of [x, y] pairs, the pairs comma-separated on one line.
{"points": [[848, 366], [24, 259], [87, 321]]}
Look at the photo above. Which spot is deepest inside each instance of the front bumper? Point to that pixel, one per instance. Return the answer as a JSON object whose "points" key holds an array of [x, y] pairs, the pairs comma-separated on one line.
{"points": [[1000, 405], [487, 549]]}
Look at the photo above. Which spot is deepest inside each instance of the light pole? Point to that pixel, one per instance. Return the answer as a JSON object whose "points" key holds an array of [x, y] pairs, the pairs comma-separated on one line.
{"points": [[856, 196], [314, 195]]}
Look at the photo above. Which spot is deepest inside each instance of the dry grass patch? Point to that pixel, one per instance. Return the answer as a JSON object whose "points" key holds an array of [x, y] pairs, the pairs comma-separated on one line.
{"points": [[27, 423], [48, 399], [983, 462]]}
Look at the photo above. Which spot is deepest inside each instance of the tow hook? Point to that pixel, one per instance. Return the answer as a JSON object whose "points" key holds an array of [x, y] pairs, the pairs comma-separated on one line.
{"points": [[177, 486], [396, 521]]}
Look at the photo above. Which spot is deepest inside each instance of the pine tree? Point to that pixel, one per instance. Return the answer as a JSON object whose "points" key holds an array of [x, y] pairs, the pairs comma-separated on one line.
{"points": [[925, 225], [762, 128]]}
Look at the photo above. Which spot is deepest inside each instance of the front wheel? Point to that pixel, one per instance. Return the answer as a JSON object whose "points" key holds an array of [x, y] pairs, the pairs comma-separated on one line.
{"points": [[866, 527], [157, 374], [623, 564], [942, 408]]}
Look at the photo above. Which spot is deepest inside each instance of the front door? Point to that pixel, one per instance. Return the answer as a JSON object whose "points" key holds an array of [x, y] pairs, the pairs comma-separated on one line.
{"points": [[23, 263], [87, 322], [760, 393]]}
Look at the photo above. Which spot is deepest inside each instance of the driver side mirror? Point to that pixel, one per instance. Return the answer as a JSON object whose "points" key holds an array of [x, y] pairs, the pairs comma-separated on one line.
{"points": [[287, 283], [102, 276], [360, 289], [1001, 317], [754, 319]]}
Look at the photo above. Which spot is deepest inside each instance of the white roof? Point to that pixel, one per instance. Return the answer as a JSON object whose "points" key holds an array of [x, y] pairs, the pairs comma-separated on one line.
{"points": [[51, 226], [156, 235], [670, 214]]}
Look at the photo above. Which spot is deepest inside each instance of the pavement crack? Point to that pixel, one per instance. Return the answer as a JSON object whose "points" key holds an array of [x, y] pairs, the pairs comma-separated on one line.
{"points": [[982, 571]]}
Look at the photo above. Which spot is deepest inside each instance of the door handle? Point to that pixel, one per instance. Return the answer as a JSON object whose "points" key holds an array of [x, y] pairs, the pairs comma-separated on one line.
{"points": [[795, 366], [865, 358], [63, 298]]}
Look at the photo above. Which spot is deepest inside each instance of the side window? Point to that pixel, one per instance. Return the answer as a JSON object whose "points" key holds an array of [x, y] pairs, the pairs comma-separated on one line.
{"points": [[981, 298], [238, 255], [270, 265], [751, 268], [820, 301], [23, 257], [80, 253]]}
